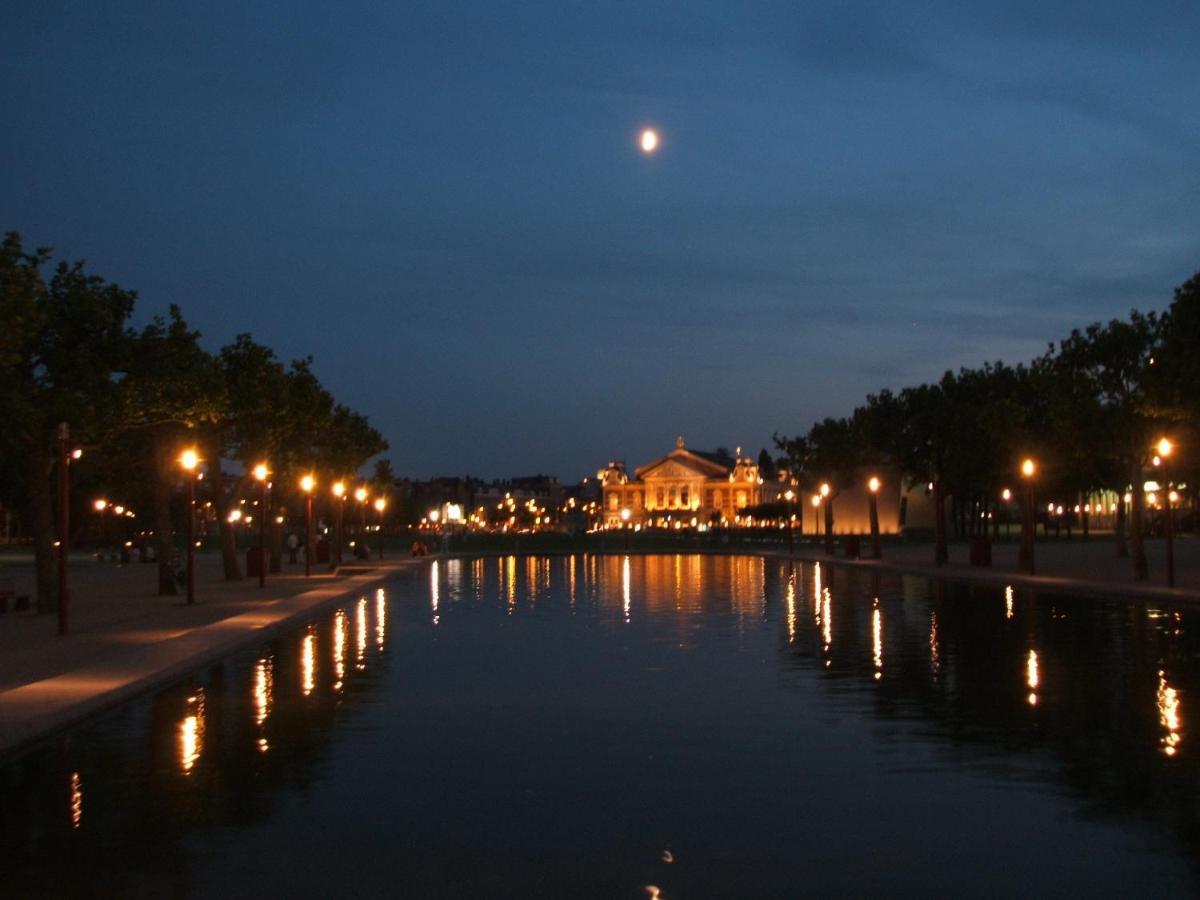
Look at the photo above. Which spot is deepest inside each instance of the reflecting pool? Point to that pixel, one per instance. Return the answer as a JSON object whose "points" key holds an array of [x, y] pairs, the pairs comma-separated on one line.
{"points": [[611, 726]]}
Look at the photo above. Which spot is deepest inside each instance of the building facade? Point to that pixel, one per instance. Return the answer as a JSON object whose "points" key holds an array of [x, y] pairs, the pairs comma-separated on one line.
{"points": [[685, 488]]}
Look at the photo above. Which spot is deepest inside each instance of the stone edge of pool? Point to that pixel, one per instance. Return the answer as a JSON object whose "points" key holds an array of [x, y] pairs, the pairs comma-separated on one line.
{"points": [[36, 711]]}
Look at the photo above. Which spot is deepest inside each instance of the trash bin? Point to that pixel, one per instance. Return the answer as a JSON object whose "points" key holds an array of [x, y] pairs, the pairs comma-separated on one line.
{"points": [[254, 562], [981, 551], [852, 547], [322, 551]]}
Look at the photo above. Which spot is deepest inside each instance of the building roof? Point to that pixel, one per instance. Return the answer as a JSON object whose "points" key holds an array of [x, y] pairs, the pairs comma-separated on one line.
{"points": [[713, 465]]}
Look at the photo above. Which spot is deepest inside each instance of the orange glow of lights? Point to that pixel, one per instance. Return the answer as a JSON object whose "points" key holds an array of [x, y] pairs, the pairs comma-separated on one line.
{"points": [[877, 639], [1168, 715], [308, 662], [191, 733], [339, 648], [360, 634], [1028, 468], [189, 459], [307, 483], [1032, 678], [263, 689], [873, 485], [648, 140], [76, 800], [260, 472], [360, 494]]}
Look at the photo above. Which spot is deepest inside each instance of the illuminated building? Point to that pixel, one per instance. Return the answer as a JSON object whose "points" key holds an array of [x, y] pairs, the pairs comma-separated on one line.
{"points": [[683, 486]]}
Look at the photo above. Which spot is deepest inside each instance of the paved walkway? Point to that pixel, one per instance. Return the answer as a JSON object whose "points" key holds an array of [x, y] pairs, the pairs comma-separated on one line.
{"points": [[125, 639], [1078, 567]]}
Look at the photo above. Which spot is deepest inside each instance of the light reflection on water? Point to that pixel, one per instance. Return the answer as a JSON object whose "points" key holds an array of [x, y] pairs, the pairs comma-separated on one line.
{"points": [[682, 701]]}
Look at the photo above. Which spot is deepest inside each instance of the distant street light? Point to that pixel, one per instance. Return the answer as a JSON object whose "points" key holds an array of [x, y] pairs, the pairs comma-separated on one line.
{"points": [[380, 506], [307, 483], [825, 491], [360, 494], [789, 495], [873, 491], [1165, 449], [260, 474], [339, 494], [189, 460], [65, 455], [1028, 469]]}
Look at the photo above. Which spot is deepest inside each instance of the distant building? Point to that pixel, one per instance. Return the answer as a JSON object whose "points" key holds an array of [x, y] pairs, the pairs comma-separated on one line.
{"points": [[688, 486]]}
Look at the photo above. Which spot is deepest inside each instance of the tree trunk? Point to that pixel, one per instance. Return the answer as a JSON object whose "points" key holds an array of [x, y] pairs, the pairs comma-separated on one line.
{"points": [[224, 503], [161, 463], [1137, 536], [940, 553], [276, 541], [39, 467], [1122, 544]]}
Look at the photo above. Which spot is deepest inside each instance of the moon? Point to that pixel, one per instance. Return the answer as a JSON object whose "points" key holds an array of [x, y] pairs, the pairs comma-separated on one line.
{"points": [[649, 140]]}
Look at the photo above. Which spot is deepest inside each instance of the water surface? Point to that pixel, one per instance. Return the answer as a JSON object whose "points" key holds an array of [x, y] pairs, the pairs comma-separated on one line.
{"points": [[602, 725]]}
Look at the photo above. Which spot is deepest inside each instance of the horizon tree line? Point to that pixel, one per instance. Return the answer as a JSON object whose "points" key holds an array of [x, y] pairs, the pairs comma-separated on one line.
{"points": [[134, 398], [1089, 410]]}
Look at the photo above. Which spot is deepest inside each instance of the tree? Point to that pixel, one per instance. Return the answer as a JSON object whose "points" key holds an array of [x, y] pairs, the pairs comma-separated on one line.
{"points": [[64, 343], [171, 389]]}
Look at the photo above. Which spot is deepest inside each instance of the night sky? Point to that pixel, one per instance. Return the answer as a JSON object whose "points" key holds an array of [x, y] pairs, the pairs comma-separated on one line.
{"points": [[446, 204]]}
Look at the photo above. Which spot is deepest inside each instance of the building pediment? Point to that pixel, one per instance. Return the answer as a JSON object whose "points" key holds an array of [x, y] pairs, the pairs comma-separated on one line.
{"points": [[680, 463]]}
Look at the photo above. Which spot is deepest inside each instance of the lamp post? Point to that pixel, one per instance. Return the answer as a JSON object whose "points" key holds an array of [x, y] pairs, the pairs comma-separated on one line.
{"points": [[99, 506], [339, 495], [360, 494], [1028, 469], [625, 515], [380, 505], [1006, 496], [307, 483], [261, 473], [1164, 448], [873, 486], [789, 495], [189, 460], [824, 492], [65, 455]]}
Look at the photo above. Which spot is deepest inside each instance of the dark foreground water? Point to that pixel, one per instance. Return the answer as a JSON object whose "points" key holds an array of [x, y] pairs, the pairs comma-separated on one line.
{"points": [[609, 727]]}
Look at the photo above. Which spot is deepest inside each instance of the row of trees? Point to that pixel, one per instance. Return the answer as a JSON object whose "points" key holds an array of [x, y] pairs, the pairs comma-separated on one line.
{"points": [[1088, 410], [134, 398]]}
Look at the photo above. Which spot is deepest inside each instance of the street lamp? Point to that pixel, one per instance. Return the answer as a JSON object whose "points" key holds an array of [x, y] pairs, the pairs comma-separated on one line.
{"points": [[825, 491], [261, 473], [189, 460], [307, 483], [65, 455], [873, 486], [380, 505], [1164, 448], [99, 506], [1028, 470], [360, 494], [339, 493], [789, 495]]}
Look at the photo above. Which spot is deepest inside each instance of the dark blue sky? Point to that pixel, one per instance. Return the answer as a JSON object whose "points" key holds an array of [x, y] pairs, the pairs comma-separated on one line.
{"points": [[444, 203]]}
